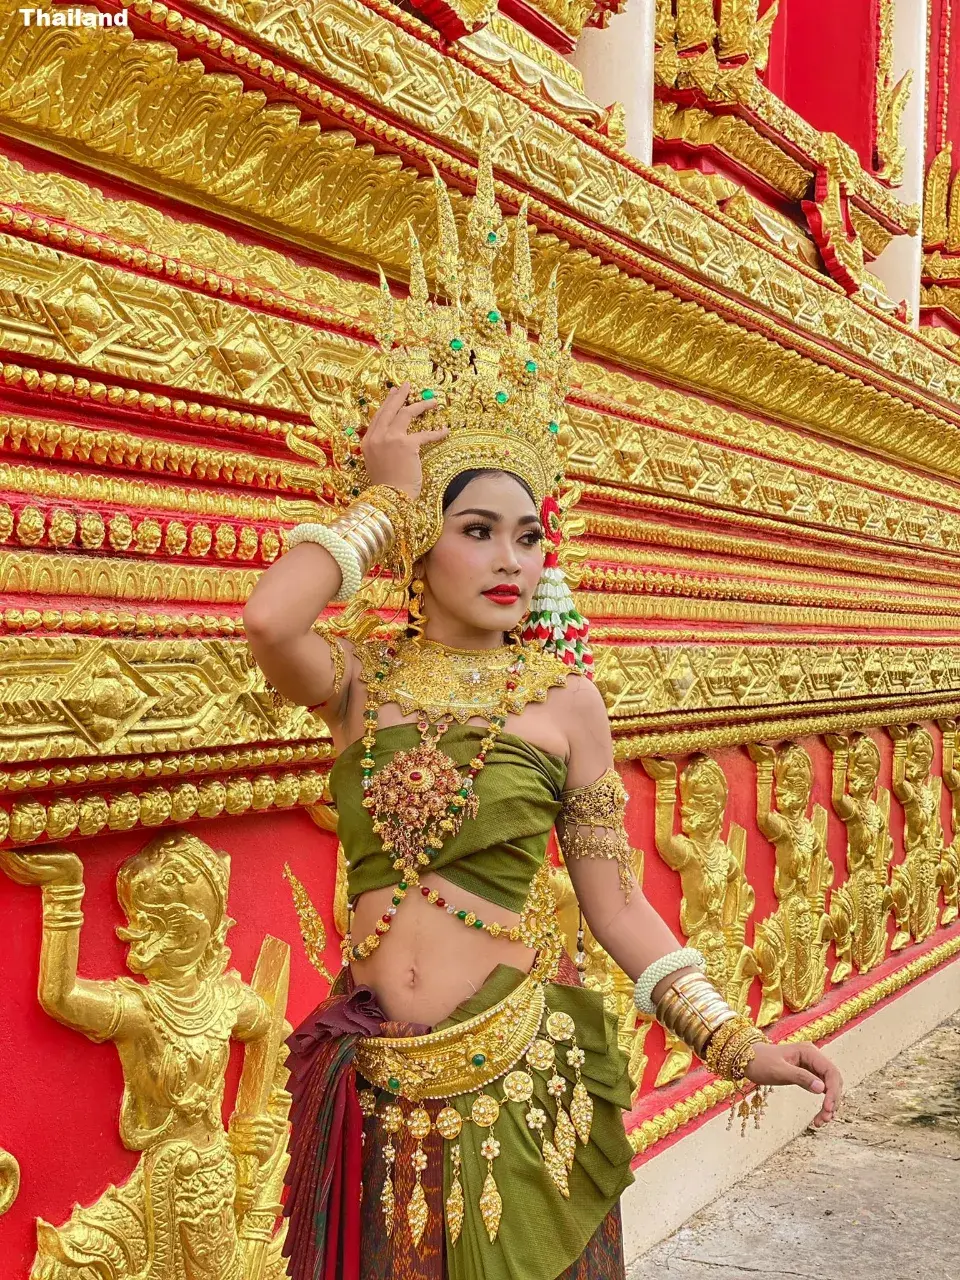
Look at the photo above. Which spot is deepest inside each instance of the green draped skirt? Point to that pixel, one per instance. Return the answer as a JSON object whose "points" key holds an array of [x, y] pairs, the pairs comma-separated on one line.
{"points": [[542, 1235]]}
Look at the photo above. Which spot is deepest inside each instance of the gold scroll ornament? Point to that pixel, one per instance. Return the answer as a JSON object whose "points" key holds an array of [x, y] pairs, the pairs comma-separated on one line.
{"points": [[789, 952], [717, 897], [203, 1202], [865, 811], [915, 887]]}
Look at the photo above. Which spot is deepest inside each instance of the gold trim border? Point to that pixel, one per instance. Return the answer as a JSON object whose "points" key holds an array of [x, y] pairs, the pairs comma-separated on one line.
{"points": [[682, 742]]}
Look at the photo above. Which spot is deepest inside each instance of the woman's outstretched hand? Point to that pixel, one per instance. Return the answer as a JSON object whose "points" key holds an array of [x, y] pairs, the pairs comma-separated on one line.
{"points": [[391, 451], [800, 1064]]}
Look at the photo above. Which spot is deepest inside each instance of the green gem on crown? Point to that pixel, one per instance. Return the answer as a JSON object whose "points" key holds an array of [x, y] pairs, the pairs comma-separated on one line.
{"points": [[393, 1084], [531, 366], [427, 394], [493, 317], [478, 1059], [553, 427], [502, 397], [456, 344]]}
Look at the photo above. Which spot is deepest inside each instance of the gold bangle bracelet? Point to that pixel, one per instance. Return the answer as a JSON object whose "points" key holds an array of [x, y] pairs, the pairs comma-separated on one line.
{"points": [[693, 1010]]}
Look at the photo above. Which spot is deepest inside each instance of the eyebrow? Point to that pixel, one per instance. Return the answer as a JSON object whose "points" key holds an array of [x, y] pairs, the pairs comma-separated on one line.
{"points": [[493, 516]]}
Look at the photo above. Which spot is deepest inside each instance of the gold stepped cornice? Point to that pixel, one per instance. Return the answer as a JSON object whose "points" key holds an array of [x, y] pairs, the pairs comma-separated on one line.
{"points": [[647, 457], [624, 394], [165, 240], [612, 570], [118, 621], [775, 726], [191, 764], [744, 673], [766, 551], [118, 324], [63, 574], [644, 457], [659, 330], [76, 697], [850, 623], [148, 496], [628, 501], [109, 447], [447, 116]]}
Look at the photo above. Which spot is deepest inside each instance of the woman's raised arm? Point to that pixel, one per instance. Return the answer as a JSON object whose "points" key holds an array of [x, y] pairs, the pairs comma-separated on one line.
{"points": [[279, 616]]}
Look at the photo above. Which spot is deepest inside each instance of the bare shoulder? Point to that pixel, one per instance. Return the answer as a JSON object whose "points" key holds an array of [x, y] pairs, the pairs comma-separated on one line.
{"points": [[580, 713], [578, 710], [579, 697]]}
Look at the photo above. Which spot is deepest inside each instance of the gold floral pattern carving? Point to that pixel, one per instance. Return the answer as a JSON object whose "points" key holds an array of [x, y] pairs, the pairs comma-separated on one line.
{"points": [[647, 679]]}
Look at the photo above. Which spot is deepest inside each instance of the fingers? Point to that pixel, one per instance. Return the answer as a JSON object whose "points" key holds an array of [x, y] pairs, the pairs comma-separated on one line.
{"points": [[833, 1081], [829, 1082], [395, 414], [390, 403], [805, 1080], [428, 437]]}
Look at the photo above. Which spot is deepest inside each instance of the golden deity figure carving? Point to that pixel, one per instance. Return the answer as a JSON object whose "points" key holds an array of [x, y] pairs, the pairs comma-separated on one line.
{"points": [[789, 952], [203, 1202], [864, 808], [600, 973], [950, 858], [915, 886], [717, 897]]}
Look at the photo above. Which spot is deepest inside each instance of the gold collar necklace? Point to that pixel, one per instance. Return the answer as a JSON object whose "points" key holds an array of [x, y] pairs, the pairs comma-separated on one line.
{"points": [[427, 678]]}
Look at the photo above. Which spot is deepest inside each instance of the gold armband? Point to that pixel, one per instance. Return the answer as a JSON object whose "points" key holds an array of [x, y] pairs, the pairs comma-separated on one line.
{"points": [[593, 824], [61, 906]]}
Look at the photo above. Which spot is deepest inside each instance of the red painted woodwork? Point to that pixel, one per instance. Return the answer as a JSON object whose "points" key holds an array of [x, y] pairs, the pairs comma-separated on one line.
{"points": [[823, 62]]}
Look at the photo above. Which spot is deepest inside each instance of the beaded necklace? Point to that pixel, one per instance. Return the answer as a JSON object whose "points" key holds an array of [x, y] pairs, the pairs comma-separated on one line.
{"points": [[418, 801]]}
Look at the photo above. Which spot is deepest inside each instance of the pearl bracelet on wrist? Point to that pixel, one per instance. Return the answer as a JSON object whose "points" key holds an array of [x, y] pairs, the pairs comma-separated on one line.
{"points": [[654, 974], [348, 561]]}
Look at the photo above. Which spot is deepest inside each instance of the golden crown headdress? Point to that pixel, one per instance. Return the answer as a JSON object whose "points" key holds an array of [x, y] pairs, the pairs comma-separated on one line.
{"points": [[501, 393]]}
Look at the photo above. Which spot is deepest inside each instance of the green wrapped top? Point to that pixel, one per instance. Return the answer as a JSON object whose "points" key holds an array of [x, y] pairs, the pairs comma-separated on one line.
{"points": [[497, 854]]}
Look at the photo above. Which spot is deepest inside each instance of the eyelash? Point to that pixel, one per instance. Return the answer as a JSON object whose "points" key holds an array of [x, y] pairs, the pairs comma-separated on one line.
{"points": [[531, 538]]}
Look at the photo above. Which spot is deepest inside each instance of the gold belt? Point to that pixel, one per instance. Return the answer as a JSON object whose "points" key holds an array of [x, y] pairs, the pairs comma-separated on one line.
{"points": [[459, 1059]]}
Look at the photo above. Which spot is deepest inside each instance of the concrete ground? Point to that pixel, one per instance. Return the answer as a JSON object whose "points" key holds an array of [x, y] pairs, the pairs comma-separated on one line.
{"points": [[875, 1196]]}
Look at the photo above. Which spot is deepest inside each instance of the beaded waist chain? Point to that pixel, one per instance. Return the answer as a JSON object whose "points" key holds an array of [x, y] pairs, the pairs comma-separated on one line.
{"points": [[502, 1046]]}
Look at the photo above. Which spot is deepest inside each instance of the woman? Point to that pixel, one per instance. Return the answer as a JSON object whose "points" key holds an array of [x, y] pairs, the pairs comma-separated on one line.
{"points": [[487, 1082]]}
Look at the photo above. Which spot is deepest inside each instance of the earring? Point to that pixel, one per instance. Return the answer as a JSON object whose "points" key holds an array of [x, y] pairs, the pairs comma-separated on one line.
{"points": [[416, 618], [514, 636]]}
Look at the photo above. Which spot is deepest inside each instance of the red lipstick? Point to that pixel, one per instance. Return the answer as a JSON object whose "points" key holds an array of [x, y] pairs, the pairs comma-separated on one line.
{"points": [[504, 594]]}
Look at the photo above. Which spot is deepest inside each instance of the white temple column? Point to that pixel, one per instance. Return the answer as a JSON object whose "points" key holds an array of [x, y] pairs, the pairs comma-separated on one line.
{"points": [[898, 267], [617, 66]]}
